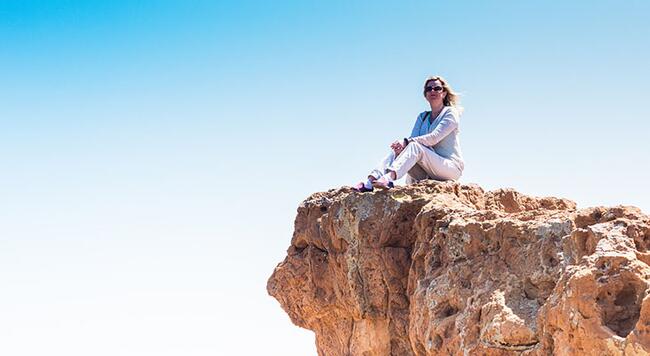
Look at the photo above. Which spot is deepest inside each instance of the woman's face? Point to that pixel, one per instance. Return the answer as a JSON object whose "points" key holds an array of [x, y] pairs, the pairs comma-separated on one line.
{"points": [[434, 92]]}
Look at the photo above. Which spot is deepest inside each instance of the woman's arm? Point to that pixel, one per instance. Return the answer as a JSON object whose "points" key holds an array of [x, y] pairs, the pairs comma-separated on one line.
{"points": [[447, 125]]}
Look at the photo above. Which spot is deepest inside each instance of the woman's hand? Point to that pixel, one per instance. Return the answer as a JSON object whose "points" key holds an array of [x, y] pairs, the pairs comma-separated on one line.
{"points": [[397, 147]]}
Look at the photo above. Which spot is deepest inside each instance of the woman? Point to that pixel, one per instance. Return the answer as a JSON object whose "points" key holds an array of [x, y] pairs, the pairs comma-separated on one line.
{"points": [[433, 149]]}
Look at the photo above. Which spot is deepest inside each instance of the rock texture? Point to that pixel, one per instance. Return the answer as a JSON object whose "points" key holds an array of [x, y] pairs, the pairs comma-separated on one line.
{"points": [[448, 269]]}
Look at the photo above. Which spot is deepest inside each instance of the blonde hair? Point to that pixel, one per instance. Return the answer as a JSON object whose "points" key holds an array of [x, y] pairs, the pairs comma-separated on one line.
{"points": [[451, 99]]}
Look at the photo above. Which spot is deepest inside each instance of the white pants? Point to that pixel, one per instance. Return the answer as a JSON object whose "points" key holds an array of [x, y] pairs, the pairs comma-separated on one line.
{"points": [[418, 162]]}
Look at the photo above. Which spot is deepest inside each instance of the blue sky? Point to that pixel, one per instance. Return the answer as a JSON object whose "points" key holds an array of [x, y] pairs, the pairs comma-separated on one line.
{"points": [[155, 151]]}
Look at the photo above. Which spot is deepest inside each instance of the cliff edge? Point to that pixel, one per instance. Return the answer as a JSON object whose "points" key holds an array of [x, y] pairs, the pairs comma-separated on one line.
{"points": [[448, 269]]}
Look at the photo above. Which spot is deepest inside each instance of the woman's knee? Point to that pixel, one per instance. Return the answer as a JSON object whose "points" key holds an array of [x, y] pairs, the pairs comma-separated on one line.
{"points": [[415, 146]]}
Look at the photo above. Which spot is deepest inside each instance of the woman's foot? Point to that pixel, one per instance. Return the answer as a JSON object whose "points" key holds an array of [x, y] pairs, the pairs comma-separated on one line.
{"points": [[362, 187], [383, 183]]}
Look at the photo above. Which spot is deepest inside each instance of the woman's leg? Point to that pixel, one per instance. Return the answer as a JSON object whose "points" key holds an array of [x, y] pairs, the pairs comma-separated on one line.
{"points": [[416, 174], [381, 168], [375, 174], [435, 166]]}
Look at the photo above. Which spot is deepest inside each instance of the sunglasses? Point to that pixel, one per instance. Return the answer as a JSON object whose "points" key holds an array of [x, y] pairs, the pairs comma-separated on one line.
{"points": [[430, 88]]}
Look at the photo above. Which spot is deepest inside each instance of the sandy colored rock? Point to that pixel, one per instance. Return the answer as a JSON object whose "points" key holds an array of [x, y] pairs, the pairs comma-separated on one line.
{"points": [[449, 269]]}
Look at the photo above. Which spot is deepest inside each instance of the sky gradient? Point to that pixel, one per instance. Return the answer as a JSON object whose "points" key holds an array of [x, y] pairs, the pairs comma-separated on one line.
{"points": [[155, 152]]}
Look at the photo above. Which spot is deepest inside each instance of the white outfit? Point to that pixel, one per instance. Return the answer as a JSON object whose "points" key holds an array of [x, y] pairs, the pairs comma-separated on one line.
{"points": [[433, 152]]}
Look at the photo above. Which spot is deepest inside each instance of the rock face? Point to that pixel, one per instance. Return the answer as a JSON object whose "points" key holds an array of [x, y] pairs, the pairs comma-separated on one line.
{"points": [[448, 269]]}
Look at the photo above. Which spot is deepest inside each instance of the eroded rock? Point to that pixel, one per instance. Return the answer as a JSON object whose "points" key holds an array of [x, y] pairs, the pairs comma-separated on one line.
{"points": [[445, 268]]}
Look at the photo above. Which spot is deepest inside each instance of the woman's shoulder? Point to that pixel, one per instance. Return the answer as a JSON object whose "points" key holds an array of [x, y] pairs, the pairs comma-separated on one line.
{"points": [[457, 110], [453, 111], [448, 111], [423, 115]]}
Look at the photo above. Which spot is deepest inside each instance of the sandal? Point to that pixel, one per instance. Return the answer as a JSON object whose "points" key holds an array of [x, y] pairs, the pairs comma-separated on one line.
{"points": [[361, 187], [383, 183]]}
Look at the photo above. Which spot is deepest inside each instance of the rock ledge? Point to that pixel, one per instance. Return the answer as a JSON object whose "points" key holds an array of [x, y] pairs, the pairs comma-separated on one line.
{"points": [[448, 269]]}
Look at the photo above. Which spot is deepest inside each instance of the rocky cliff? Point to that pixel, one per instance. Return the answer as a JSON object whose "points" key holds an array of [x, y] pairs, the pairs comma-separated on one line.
{"points": [[449, 269]]}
